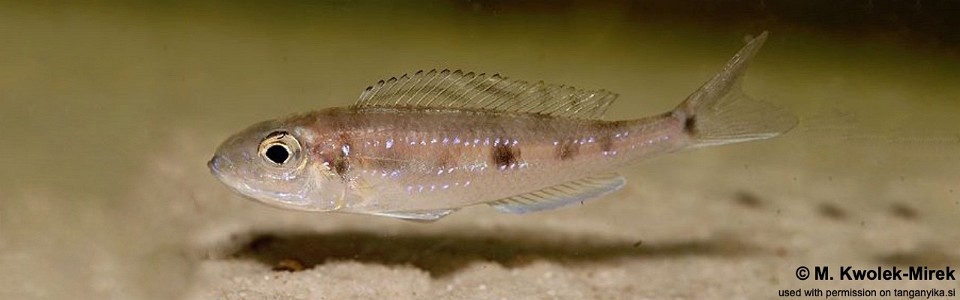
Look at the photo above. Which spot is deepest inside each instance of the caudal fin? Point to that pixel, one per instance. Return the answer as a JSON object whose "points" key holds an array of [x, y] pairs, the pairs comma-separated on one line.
{"points": [[720, 113]]}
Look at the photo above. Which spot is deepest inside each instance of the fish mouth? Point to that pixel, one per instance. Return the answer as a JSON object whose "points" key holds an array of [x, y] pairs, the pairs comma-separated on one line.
{"points": [[222, 168], [214, 163], [217, 165]]}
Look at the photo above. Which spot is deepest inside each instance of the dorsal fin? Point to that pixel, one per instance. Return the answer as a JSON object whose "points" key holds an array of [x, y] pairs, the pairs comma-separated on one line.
{"points": [[456, 89], [561, 195]]}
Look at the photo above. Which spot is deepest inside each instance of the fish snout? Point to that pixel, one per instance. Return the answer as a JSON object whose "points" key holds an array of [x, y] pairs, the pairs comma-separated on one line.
{"points": [[216, 164]]}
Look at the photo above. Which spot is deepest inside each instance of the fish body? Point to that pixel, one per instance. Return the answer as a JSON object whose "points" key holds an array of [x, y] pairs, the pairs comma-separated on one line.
{"points": [[426, 159], [420, 147]]}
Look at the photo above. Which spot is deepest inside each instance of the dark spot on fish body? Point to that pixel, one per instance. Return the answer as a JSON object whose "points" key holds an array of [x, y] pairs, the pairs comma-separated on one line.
{"points": [[606, 143], [341, 163], [448, 158], [690, 125], [567, 149], [341, 166], [504, 155], [604, 132]]}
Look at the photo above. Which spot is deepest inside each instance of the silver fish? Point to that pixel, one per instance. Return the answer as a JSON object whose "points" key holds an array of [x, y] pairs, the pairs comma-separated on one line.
{"points": [[420, 147]]}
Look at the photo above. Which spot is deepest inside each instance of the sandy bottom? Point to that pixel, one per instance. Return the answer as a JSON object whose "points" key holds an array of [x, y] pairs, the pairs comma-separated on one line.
{"points": [[732, 230]]}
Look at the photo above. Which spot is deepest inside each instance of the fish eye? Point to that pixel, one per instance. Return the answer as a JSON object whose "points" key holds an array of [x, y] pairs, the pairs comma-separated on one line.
{"points": [[279, 148], [277, 153]]}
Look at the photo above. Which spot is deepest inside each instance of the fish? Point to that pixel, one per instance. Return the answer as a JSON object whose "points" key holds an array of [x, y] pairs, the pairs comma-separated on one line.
{"points": [[420, 147]]}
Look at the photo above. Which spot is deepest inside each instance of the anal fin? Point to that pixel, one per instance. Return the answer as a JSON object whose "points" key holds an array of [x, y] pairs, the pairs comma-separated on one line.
{"points": [[562, 194], [417, 216]]}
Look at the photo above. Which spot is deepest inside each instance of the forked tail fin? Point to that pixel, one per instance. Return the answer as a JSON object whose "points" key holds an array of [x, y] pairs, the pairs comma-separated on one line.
{"points": [[720, 113]]}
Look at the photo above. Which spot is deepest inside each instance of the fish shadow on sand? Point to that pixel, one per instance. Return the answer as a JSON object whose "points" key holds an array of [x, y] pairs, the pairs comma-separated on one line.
{"points": [[929, 255], [445, 253]]}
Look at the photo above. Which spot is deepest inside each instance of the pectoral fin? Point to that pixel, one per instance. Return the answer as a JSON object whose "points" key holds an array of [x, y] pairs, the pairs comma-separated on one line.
{"points": [[417, 216], [560, 195]]}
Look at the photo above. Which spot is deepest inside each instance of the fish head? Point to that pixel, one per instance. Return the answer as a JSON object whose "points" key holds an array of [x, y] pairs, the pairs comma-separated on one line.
{"points": [[270, 162]]}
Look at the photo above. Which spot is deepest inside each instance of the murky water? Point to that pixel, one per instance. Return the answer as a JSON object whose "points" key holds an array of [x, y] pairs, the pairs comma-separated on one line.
{"points": [[111, 110]]}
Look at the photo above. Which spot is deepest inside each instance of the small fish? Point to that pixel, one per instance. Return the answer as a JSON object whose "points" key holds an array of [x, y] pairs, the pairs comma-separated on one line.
{"points": [[419, 147]]}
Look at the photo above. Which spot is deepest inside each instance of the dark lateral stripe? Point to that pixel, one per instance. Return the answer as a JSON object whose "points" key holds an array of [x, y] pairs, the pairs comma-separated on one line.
{"points": [[567, 149], [504, 155]]}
